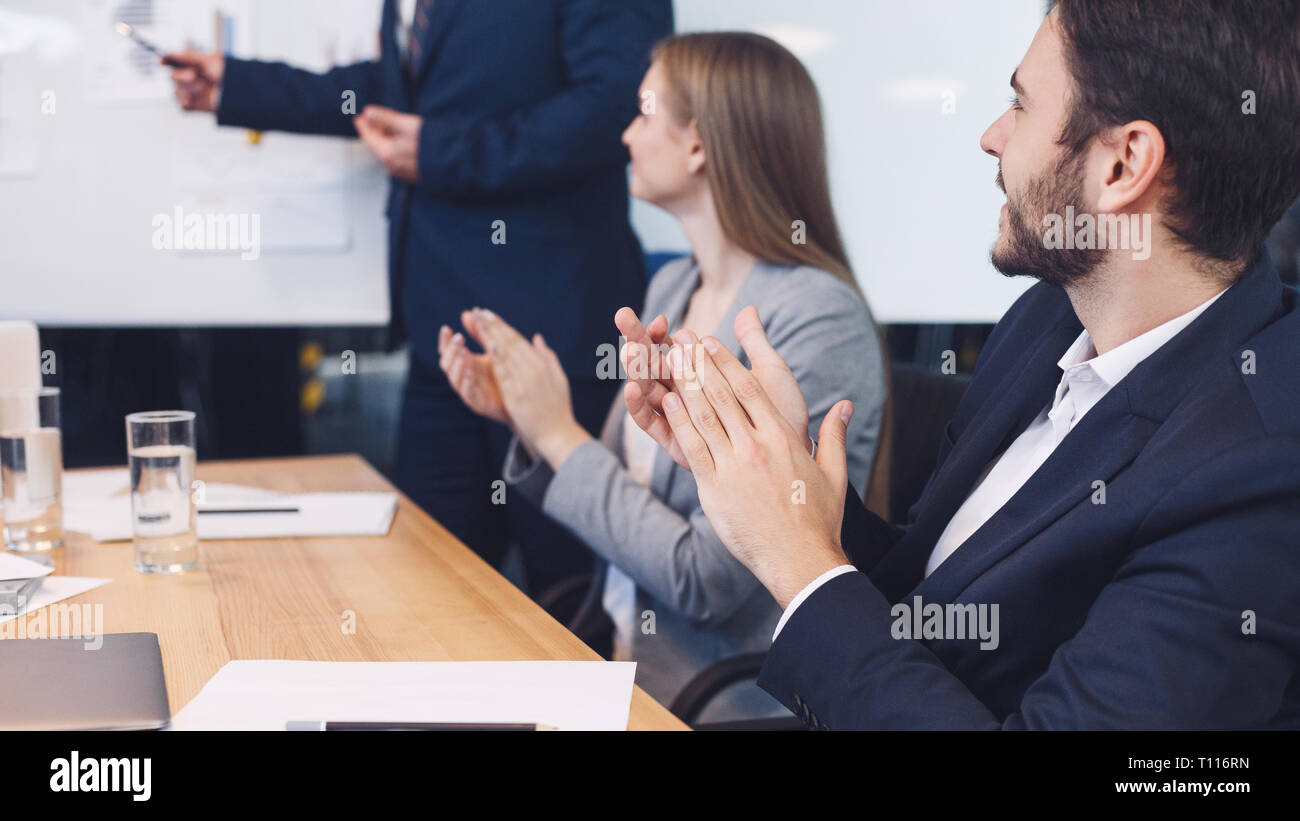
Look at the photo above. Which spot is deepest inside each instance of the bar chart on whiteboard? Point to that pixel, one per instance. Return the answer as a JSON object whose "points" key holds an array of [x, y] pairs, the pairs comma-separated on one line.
{"points": [[294, 184]]}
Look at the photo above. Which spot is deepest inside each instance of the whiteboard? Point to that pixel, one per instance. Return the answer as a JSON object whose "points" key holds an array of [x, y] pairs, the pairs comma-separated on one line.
{"points": [[913, 192], [98, 165], [81, 186]]}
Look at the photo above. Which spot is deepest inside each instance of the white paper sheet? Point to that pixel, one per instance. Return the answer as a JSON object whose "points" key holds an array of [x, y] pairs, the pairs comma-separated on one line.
{"points": [[16, 567], [84, 485], [55, 589], [264, 695], [320, 514], [106, 520]]}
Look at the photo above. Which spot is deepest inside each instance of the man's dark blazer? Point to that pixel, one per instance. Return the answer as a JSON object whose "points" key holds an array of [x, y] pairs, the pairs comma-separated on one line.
{"points": [[1175, 604], [524, 102]]}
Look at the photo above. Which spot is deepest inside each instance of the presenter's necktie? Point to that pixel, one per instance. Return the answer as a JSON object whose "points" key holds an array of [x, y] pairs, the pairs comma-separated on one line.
{"points": [[415, 37]]}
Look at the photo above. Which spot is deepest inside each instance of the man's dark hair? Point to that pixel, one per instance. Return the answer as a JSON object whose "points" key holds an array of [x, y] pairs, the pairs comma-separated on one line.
{"points": [[1186, 66]]}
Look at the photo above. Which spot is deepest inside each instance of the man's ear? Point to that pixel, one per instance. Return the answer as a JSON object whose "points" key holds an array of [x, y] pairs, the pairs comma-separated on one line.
{"points": [[695, 155], [1135, 155]]}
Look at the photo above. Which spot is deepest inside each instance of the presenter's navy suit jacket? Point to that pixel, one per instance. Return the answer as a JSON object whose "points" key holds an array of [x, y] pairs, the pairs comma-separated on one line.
{"points": [[523, 103], [1175, 604]]}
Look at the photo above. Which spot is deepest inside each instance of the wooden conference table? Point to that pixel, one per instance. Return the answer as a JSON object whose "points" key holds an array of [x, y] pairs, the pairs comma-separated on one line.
{"points": [[418, 594]]}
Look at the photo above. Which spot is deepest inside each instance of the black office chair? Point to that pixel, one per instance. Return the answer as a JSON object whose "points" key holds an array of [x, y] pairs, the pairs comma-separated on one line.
{"points": [[575, 603], [709, 682], [927, 401]]}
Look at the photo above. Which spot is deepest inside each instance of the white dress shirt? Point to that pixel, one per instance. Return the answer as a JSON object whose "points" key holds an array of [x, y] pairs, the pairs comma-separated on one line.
{"points": [[405, 15], [619, 595], [1085, 379]]}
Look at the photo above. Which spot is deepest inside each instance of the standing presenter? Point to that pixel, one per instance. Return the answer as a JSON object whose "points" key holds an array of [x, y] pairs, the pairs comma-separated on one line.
{"points": [[499, 124]]}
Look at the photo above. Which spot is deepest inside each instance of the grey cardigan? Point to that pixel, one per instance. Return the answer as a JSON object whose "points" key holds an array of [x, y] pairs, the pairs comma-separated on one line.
{"points": [[693, 603]]}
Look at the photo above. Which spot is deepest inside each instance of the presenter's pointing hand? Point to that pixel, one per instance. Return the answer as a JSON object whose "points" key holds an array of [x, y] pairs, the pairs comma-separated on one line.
{"points": [[196, 79], [393, 137]]}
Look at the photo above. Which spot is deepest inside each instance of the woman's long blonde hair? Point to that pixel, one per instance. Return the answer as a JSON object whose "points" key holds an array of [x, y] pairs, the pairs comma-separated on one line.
{"points": [[758, 113], [760, 118]]}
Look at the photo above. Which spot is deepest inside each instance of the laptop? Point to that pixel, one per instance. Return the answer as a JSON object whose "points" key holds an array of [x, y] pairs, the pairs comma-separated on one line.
{"points": [[61, 684]]}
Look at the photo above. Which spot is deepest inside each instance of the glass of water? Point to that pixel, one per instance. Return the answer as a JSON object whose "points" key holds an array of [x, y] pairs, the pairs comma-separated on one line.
{"points": [[160, 453], [31, 470]]}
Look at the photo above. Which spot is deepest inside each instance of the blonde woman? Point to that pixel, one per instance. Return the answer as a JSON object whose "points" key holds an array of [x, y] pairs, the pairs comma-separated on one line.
{"points": [[730, 143]]}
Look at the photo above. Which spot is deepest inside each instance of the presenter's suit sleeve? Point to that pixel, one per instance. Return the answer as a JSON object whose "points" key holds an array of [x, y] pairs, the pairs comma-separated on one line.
{"points": [[605, 48], [1163, 646], [279, 97]]}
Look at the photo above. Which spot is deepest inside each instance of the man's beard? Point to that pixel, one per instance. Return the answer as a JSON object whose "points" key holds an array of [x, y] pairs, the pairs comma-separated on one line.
{"points": [[1025, 254]]}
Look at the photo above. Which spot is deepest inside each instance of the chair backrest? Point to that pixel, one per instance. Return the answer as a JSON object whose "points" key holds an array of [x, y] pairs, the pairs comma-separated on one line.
{"points": [[922, 402], [876, 497]]}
